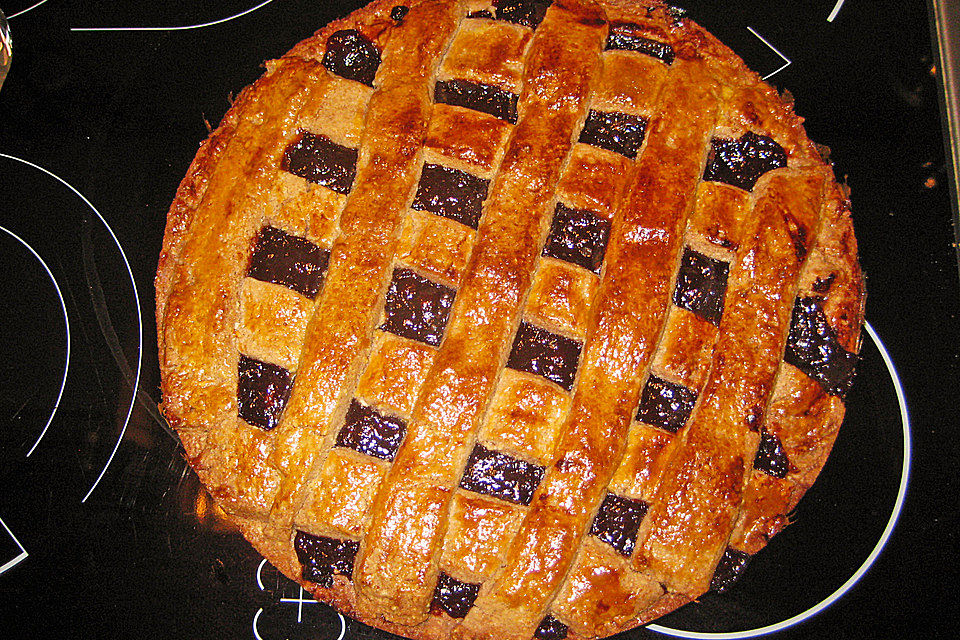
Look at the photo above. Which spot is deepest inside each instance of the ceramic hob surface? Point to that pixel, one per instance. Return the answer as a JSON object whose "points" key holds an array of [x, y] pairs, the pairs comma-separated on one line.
{"points": [[106, 532]]}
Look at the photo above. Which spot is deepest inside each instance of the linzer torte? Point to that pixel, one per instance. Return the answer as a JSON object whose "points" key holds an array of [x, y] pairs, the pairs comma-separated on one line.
{"points": [[509, 319]]}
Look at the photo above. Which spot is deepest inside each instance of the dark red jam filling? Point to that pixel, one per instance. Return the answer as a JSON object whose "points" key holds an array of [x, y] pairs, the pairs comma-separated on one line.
{"points": [[771, 457], [322, 557], [624, 36], [550, 629], [578, 236], [701, 285], [614, 131], [262, 392], [454, 597], [288, 260], [666, 404], [451, 193], [398, 13], [546, 354], [618, 521], [527, 13], [370, 432], [316, 158], [814, 348], [496, 474], [729, 570], [485, 98], [352, 55], [741, 162], [417, 308]]}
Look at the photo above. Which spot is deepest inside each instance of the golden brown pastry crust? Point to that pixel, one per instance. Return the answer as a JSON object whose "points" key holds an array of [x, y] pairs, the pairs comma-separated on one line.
{"points": [[790, 237]]}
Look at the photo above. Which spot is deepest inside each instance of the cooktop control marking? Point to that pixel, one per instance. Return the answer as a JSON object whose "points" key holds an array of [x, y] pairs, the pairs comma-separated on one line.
{"points": [[836, 10], [787, 61], [136, 300], [181, 28], [300, 600], [871, 558], [66, 322], [11, 546]]}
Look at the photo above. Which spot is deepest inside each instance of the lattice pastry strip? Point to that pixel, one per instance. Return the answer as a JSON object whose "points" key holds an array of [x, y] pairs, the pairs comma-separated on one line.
{"points": [[396, 372], [602, 592], [413, 321], [629, 310], [480, 532], [445, 419], [684, 355], [769, 493], [790, 452], [477, 93], [212, 266], [438, 242], [748, 355], [339, 337]]}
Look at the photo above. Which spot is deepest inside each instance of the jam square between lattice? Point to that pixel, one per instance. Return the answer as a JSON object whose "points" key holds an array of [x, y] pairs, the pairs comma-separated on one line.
{"points": [[550, 629], [814, 348], [262, 392], [496, 474], [740, 162], [666, 404], [618, 522], [316, 158], [352, 55], [614, 131], [546, 354], [485, 98], [701, 285], [771, 458], [527, 13], [288, 260], [370, 432], [623, 36], [731, 566], [322, 557], [578, 236], [454, 597], [451, 193], [417, 308]]}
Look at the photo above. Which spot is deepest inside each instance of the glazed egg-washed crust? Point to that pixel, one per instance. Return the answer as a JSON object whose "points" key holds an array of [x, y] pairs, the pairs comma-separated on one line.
{"points": [[786, 239]]}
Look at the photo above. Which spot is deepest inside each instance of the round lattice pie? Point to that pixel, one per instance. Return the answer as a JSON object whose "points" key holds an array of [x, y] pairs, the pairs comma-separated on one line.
{"points": [[508, 320]]}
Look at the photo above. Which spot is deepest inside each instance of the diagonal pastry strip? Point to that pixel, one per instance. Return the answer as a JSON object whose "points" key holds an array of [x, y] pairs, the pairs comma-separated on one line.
{"points": [[709, 471], [338, 337], [400, 554], [631, 303]]}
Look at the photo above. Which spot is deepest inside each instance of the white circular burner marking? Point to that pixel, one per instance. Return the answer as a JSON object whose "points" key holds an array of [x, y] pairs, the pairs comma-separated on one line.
{"points": [[343, 627], [259, 577], [256, 617], [66, 322], [181, 28], [20, 13], [836, 10], [136, 298], [859, 573]]}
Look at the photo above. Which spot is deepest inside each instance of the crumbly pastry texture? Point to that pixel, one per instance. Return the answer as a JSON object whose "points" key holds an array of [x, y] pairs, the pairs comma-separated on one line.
{"points": [[508, 320]]}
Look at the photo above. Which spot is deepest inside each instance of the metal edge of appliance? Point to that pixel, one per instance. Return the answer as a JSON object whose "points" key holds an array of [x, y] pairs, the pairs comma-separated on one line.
{"points": [[945, 36]]}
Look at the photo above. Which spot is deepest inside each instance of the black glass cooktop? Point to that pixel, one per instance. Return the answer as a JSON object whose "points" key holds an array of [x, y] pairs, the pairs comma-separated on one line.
{"points": [[105, 532]]}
